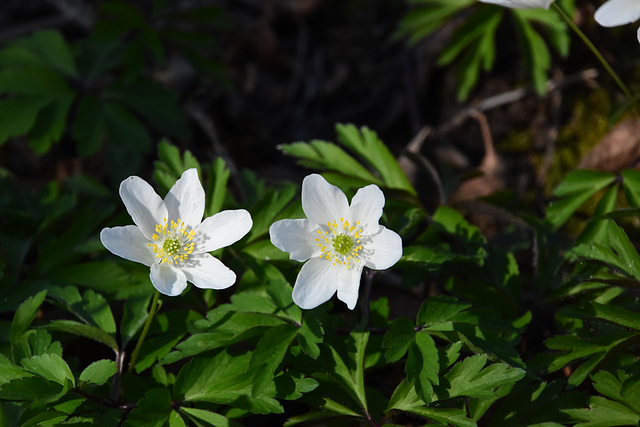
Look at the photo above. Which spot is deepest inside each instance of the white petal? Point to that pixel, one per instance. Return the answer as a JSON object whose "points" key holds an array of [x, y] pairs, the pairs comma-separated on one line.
{"points": [[185, 200], [129, 243], [638, 35], [618, 12], [348, 289], [207, 272], [386, 249], [521, 4], [321, 201], [316, 283], [143, 204], [297, 237], [168, 279], [366, 207], [222, 229]]}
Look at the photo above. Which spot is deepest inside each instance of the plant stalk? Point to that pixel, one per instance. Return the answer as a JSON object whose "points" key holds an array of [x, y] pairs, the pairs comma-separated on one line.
{"points": [[143, 335], [597, 53]]}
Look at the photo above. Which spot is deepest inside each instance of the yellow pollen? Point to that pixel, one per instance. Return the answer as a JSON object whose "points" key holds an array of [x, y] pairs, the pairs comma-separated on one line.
{"points": [[341, 243], [174, 242]]}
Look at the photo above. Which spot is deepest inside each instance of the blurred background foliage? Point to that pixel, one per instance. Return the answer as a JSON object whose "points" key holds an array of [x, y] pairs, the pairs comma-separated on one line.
{"points": [[515, 302]]}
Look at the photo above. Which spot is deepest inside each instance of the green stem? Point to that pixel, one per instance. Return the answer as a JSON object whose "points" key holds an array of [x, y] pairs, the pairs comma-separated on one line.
{"points": [[143, 335], [596, 52]]}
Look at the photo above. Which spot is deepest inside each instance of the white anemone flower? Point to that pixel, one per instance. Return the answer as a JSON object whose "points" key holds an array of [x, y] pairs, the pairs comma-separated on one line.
{"points": [[337, 239], [171, 238], [618, 12], [521, 4]]}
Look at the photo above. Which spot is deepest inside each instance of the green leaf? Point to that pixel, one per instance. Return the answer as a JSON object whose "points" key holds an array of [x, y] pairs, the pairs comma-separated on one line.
{"points": [[125, 129], [450, 416], [311, 334], [398, 339], [583, 180], [432, 14], [89, 126], [51, 367], [574, 190], [99, 372], [439, 309], [175, 420], [609, 313], [217, 186], [468, 378], [50, 124], [366, 144], [83, 330], [51, 47], [134, 316], [422, 365], [603, 412], [157, 105], [222, 379], [97, 307], [597, 229], [33, 81], [621, 254], [273, 345], [474, 43], [153, 409], [322, 155], [12, 124], [25, 314], [631, 185], [208, 417]]}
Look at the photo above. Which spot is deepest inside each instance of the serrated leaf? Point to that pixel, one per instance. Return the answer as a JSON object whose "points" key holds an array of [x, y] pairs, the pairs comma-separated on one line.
{"points": [[439, 309], [51, 367], [99, 372], [470, 378], [603, 412]]}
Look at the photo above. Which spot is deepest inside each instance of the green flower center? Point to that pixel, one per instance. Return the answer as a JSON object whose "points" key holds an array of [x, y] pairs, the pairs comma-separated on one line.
{"points": [[342, 244], [172, 242], [171, 246]]}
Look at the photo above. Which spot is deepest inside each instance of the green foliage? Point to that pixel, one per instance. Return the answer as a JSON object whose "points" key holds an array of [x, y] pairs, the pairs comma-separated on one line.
{"points": [[535, 324], [472, 46]]}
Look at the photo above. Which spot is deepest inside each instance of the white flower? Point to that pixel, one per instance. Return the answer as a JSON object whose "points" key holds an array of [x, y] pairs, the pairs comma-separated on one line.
{"points": [[171, 238], [618, 12], [521, 4], [337, 239]]}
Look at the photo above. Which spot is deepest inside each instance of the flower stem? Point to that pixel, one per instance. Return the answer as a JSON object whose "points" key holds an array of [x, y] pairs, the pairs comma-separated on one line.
{"points": [[143, 335], [597, 53]]}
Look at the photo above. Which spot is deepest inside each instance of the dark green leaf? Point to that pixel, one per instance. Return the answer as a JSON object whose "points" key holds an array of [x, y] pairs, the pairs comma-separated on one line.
{"points": [[99, 372]]}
